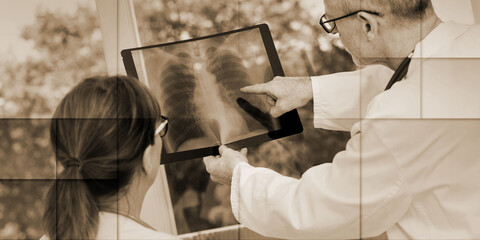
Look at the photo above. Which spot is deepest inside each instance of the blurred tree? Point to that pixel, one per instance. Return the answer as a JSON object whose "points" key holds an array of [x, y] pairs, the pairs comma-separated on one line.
{"points": [[69, 49], [21, 207]]}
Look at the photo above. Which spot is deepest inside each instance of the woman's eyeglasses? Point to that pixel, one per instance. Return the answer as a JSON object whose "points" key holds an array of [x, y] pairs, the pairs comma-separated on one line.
{"points": [[163, 127]]}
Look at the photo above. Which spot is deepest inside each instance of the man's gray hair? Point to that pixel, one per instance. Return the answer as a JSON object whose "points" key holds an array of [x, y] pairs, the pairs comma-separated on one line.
{"points": [[405, 9], [410, 9]]}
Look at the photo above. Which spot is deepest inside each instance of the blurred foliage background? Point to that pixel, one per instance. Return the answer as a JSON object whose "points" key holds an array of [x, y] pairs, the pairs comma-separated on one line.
{"points": [[70, 47]]}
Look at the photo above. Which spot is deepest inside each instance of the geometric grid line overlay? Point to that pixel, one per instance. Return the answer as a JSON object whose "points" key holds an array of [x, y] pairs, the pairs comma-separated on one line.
{"points": [[447, 88], [21, 208], [25, 149], [94, 148], [65, 203], [424, 162], [435, 87], [356, 120], [197, 201], [421, 160], [69, 203]]}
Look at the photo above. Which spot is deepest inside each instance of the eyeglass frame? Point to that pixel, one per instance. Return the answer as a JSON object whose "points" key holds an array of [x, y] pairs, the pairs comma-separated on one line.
{"points": [[338, 18], [162, 125]]}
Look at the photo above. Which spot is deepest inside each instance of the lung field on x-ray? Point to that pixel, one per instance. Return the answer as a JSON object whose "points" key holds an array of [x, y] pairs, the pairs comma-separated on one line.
{"points": [[231, 75], [178, 102], [198, 88]]}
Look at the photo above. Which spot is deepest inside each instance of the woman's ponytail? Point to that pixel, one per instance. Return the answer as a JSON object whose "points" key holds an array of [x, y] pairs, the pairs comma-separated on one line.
{"points": [[71, 209], [99, 133]]}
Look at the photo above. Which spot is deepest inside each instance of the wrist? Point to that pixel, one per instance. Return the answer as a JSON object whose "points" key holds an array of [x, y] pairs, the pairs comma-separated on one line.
{"points": [[237, 161], [308, 89], [233, 164]]}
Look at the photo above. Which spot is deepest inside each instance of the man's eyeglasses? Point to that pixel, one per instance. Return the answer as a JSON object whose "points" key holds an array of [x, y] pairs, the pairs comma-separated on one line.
{"points": [[163, 127], [329, 25]]}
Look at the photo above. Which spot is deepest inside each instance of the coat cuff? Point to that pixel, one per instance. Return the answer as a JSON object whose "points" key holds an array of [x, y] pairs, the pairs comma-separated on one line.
{"points": [[235, 188], [332, 109]]}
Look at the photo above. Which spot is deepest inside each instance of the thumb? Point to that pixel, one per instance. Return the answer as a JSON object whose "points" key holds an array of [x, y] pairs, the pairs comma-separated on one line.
{"points": [[271, 100], [208, 159], [280, 107], [222, 149], [244, 151], [276, 111]]}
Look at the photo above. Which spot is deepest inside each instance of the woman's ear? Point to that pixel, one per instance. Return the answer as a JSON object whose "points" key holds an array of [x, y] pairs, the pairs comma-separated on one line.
{"points": [[147, 160], [151, 159], [369, 25]]}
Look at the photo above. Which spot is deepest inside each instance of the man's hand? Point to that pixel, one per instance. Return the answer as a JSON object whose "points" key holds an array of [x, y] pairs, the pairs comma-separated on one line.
{"points": [[285, 93], [221, 167]]}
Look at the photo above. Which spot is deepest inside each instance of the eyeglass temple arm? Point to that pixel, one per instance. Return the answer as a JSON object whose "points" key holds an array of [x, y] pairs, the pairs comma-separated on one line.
{"points": [[350, 14], [161, 127]]}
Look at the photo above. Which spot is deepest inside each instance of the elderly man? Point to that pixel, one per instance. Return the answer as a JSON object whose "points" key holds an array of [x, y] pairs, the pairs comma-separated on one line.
{"points": [[411, 167]]}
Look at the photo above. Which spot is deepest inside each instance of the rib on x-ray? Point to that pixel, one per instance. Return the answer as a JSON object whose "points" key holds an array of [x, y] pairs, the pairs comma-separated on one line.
{"points": [[231, 75], [198, 86], [178, 81]]}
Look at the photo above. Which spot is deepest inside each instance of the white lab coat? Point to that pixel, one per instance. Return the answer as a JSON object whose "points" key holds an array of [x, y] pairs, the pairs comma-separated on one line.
{"points": [[114, 226], [411, 167]]}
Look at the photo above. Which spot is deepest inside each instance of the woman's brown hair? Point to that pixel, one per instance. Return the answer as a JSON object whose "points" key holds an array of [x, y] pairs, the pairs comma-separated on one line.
{"points": [[99, 133]]}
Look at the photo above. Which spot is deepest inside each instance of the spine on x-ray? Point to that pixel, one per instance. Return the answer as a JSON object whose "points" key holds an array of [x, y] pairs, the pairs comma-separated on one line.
{"points": [[178, 81]]}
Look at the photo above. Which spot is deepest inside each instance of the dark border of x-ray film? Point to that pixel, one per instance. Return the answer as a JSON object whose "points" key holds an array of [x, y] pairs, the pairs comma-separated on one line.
{"points": [[290, 123]]}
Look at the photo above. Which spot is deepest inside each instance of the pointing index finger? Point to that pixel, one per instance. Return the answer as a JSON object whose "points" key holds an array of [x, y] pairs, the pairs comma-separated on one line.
{"points": [[256, 89]]}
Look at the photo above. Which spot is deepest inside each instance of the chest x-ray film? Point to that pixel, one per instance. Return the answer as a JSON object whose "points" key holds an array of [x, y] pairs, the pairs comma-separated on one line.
{"points": [[197, 84]]}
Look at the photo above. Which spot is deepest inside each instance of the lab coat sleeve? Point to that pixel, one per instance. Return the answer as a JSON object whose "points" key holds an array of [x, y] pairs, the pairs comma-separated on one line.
{"points": [[330, 201], [341, 99]]}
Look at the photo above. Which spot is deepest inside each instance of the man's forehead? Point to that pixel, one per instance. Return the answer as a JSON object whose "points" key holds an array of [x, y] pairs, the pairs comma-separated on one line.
{"points": [[327, 3], [332, 7], [341, 5]]}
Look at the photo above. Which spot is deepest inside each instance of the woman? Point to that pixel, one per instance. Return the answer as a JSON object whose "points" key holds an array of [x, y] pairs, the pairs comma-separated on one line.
{"points": [[106, 136]]}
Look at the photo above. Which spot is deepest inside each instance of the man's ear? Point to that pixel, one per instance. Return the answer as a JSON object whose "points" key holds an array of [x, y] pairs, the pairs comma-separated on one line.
{"points": [[369, 25]]}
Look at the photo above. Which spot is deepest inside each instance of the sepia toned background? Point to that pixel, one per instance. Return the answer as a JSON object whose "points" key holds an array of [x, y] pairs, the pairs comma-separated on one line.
{"points": [[48, 46]]}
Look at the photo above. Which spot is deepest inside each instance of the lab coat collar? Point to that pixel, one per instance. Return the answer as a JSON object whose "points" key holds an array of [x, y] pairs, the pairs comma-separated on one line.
{"points": [[438, 38]]}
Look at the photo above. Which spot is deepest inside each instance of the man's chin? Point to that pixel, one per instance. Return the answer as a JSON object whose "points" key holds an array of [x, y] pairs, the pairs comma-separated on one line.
{"points": [[362, 62], [358, 61]]}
